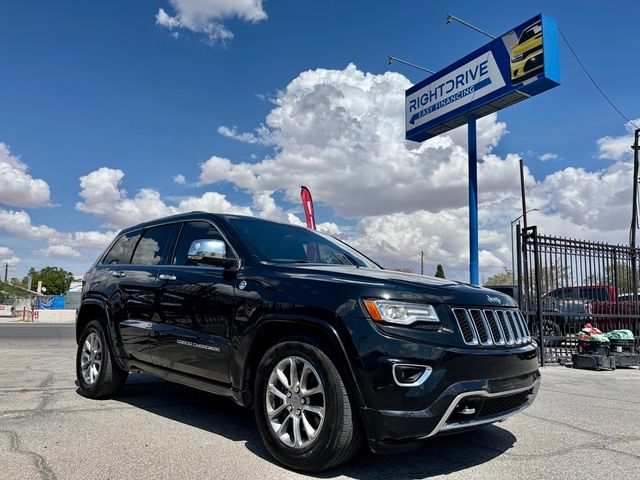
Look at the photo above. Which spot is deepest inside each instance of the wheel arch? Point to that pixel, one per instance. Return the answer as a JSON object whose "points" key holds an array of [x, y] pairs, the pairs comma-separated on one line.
{"points": [[94, 309], [272, 331]]}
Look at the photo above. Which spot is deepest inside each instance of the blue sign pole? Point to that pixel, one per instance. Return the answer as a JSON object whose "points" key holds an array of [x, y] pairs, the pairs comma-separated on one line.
{"points": [[473, 200]]}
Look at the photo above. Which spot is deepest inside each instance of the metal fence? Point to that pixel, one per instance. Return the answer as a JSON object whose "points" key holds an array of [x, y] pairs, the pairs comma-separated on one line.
{"points": [[564, 284]]}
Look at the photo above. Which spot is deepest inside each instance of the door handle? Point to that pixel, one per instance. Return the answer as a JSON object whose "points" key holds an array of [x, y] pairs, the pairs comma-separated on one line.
{"points": [[119, 274], [166, 276]]}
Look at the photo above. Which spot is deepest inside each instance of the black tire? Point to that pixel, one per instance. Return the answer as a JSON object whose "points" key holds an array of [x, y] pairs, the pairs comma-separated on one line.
{"points": [[338, 438], [110, 378]]}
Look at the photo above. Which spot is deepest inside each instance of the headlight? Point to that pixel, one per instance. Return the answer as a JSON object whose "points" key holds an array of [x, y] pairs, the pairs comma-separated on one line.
{"points": [[517, 58], [401, 313]]}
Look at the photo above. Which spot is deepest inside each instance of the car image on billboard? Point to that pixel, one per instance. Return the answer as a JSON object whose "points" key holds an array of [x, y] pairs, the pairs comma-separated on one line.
{"points": [[526, 55]]}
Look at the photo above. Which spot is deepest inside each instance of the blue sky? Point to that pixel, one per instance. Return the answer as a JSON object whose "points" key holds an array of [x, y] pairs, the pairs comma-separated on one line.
{"points": [[155, 89]]}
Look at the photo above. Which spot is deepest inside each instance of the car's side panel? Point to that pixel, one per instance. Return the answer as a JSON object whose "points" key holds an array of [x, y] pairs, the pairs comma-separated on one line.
{"points": [[133, 304], [193, 316]]}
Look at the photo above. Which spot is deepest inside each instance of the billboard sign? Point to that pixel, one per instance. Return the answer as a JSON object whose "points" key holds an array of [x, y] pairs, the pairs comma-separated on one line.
{"points": [[515, 66]]}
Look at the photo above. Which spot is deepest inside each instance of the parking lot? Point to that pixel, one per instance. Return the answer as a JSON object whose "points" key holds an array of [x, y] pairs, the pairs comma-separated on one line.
{"points": [[583, 425]]}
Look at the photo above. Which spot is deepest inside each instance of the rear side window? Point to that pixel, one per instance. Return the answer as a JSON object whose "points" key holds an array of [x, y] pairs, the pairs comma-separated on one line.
{"points": [[156, 245], [191, 232], [120, 253]]}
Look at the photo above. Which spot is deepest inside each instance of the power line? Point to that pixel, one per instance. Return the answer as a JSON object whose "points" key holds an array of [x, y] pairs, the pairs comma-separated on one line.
{"points": [[594, 82]]}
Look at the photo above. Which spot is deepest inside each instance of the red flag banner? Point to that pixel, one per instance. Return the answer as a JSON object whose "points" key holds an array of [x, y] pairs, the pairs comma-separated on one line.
{"points": [[307, 203]]}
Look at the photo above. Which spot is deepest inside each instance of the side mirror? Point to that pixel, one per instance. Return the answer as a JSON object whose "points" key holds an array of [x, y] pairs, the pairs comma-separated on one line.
{"points": [[210, 252]]}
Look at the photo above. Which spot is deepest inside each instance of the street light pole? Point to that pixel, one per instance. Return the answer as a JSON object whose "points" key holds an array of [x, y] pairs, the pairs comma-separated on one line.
{"points": [[634, 217]]}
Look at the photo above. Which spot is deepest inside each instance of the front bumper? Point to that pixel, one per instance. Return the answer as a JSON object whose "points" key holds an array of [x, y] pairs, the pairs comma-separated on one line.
{"points": [[483, 401], [467, 387]]}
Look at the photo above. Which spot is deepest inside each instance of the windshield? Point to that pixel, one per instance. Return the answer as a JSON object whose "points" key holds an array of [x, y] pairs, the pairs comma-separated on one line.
{"points": [[278, 243]]}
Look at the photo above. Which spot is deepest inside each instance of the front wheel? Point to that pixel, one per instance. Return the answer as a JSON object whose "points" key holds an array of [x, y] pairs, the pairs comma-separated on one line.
{"points": [[302, 408], [98, 376]]}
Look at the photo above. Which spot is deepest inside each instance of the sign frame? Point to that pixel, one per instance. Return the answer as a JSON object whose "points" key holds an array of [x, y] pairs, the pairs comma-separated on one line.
{"points": [[445, 100]]}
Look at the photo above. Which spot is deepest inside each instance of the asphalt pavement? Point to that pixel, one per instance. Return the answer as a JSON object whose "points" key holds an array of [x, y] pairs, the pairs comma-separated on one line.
{"points": [[583, 425]]}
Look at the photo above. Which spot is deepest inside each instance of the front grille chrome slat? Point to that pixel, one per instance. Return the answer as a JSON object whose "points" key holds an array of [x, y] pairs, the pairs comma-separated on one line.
{"points": [[516, 327], [496, 329], [465, 324], [480, 324], [488, 327]]}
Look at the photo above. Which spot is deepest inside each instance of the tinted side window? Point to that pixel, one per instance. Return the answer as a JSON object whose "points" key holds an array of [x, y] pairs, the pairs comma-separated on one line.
{"points": [[121, 251], [156, 245], [530, 32], [196, 231]]}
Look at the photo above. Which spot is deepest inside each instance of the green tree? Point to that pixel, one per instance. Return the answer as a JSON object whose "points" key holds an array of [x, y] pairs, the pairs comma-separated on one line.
{"points": [[501, 278], [439, 271], [551, 277], [617, 274], [54, 279]]}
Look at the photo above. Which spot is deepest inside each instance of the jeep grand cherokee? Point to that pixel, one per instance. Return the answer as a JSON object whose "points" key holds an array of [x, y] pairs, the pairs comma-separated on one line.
{"points": [[327, 348]]}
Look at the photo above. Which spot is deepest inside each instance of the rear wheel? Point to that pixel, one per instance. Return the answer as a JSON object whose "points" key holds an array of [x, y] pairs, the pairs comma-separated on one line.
{"points": [[98, 376], [302, 408]]}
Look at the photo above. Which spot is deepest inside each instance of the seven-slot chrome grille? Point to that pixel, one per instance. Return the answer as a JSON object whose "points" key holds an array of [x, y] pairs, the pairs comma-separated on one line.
{"points": [[488, 327]]}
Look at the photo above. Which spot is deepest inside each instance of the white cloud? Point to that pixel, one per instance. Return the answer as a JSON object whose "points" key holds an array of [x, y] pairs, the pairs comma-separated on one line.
{"points": [[90, 239], [267, 208], [260, 137], [63, 251], [341, 132], [19, 224], [17, 187], [205, 16], [180, 179], [163, 19], [102, 196], [209, 202], [600, 200], [618, 148], [214, 170], [7, 257], [545, 157]]}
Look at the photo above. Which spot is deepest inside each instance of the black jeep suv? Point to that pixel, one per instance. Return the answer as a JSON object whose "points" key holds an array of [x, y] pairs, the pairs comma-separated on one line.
{"points": [[327, 348]]}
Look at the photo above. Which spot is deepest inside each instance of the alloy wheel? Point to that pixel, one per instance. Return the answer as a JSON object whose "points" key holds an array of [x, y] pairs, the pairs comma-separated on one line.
{"points": [[91, 358], [295, 402]]}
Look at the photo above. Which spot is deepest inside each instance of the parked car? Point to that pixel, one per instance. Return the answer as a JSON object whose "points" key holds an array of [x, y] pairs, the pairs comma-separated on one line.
{"points": [[329, 349], [7, 308], [569, 308], [616, 311], [629, 297]]}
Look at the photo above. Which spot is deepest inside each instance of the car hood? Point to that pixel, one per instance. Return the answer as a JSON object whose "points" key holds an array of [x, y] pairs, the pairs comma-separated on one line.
{"points": [[400, 285]]}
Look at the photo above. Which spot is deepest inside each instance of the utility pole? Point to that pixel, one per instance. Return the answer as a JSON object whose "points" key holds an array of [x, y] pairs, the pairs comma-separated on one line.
{"points": [[634, 218], [6, 272], [421, 262]]}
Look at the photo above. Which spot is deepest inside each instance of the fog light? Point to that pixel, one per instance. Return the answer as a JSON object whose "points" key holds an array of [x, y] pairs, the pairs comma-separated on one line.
{"points": [[408, 375]]}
